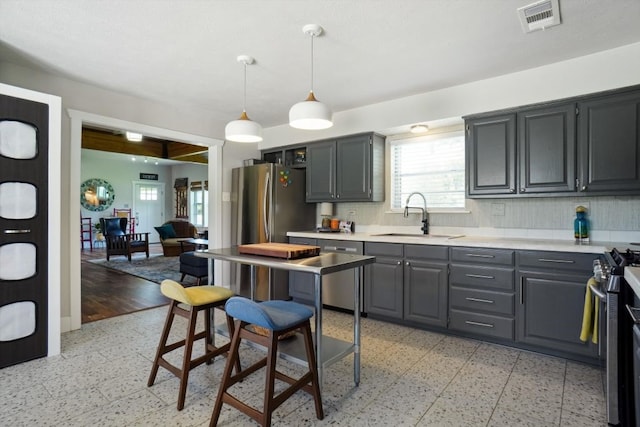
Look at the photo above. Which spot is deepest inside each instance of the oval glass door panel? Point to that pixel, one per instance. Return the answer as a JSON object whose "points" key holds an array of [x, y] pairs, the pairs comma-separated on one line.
{"points": [[17, 140], [17, 320], [17, 200], [17, 261]]}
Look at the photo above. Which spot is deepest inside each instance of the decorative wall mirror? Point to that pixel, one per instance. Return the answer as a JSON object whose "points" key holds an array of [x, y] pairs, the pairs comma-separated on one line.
{"points": [[96, 194]]}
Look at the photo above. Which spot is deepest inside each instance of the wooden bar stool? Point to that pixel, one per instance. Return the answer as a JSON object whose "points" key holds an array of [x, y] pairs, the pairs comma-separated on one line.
{"points": [[197, 298], [278, 318]]}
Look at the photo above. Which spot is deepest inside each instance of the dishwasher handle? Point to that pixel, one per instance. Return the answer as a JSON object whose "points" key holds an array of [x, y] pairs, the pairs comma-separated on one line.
{"points": [[339, 249]]}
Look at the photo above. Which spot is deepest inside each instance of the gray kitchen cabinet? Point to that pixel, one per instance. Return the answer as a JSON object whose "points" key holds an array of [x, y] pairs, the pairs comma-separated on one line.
{"points": [[347, 169], [482, 292], [609, 143], [491, 155], [408, 283], [525, 152], [425, 284], [302, 285], [547, 149], [550, 294], [384, 280]]}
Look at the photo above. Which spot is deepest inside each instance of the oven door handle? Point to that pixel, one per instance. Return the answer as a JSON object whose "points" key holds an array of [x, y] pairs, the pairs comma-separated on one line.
{"points": [[598, 293], [634, 313]]}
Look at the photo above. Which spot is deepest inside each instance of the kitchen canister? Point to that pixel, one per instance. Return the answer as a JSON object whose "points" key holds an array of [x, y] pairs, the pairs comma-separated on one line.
{"points": [[581, 225]]}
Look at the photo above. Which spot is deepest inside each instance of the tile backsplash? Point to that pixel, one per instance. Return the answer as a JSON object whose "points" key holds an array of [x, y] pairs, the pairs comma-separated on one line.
{"points": [[610, 218]]}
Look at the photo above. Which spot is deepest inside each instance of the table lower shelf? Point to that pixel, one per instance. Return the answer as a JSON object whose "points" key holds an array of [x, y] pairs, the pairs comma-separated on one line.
{"points": [[292, 349]]}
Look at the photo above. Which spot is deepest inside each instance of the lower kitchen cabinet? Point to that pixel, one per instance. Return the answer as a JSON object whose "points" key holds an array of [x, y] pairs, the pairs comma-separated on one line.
{"points": [[551, 302], [302, 285], [407, 282]]}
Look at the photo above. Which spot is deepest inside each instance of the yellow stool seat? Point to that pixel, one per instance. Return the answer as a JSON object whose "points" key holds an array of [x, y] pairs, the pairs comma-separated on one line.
{"points": [[195, 295], [196, 298]]}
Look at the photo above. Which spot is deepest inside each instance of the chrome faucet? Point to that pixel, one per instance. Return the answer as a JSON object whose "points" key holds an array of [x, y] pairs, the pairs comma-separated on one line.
{"points": [[425, 215]]}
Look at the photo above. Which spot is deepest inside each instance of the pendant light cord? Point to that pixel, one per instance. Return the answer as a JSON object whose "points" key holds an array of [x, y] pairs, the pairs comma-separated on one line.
{"points": [[312, 37], [244, 99]]}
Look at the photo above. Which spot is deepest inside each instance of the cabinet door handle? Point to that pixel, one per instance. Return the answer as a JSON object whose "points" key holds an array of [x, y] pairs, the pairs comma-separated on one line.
{"points": [[584, 188], [522, 190], [480, 256], [486, 301], [557, 261], [407, 264], [24, 231], [399, 263], [521, 290], [480, 276], [512, 190], [484, 325]]}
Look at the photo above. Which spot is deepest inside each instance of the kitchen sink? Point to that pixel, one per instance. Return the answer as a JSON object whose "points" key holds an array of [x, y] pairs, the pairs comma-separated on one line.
{"points": [[422, 236]]}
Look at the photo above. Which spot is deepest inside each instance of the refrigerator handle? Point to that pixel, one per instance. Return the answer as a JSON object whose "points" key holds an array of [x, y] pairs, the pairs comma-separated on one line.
{"points": [[266, 197]]}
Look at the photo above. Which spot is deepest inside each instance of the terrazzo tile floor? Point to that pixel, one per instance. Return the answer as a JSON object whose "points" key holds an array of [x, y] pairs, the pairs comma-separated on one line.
{"points": [[409, 377]]}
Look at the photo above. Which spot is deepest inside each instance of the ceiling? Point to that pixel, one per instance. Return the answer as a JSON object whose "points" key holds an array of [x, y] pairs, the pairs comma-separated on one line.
{"points": [[183, 52]]}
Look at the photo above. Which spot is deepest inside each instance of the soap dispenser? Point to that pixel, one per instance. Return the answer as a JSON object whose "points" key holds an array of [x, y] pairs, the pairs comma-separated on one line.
{"points": [[581, 225]]}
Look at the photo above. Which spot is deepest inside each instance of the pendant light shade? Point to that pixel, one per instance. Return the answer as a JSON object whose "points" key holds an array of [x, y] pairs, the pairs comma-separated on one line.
{"points": [[243, 129], [310, 114]]}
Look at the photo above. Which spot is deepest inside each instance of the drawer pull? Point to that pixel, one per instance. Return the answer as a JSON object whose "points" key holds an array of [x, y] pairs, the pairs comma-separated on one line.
{"points": [[487, 301], [484, 325], [480, 256], [480, 276], [557, 261]]}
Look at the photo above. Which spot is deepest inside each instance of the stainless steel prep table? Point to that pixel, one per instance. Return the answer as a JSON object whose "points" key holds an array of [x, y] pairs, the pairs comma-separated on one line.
{"points": [[328, 350]]}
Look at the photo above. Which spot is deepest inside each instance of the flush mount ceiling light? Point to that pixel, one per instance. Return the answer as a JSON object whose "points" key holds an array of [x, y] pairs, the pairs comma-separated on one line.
{"points": [[134, 136], [419, 128], [310, 114], [243, 129]]}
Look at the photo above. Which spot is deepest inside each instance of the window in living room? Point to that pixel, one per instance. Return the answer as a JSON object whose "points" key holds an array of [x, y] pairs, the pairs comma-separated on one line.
{"points": [[199, 203]]}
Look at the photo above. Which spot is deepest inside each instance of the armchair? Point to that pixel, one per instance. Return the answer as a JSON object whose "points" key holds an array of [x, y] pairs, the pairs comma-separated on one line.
{"points": [[119, 242]]}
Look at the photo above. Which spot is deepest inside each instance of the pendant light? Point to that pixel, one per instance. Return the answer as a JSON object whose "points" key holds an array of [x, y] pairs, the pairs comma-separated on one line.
{"points": [[310, 114], [243, 129]]}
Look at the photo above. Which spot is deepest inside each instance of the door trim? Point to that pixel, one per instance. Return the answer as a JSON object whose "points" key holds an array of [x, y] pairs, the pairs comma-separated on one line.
{"points": [[78, 118], [160, 185]]}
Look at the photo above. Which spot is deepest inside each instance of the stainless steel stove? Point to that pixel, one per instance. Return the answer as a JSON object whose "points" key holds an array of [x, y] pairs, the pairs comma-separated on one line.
{"points": [[614, 294]]}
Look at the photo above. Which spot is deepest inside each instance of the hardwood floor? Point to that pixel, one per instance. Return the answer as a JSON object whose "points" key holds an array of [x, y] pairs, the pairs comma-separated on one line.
{"points": [[109, 293]]}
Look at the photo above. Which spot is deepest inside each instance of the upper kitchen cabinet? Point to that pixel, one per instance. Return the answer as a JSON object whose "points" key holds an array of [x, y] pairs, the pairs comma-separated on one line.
{"points": [[547, 149], [491, 151], [347, 169], [609, 144]]}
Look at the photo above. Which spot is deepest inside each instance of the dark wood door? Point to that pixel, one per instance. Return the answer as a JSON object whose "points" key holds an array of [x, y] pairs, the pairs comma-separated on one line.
{"points": [[609, 143], [24, 144], [547, 149], [491, 155]]}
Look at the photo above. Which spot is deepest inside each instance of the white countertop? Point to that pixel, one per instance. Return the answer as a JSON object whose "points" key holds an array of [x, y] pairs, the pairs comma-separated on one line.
{"points": [[632, 276], [470, 241]]}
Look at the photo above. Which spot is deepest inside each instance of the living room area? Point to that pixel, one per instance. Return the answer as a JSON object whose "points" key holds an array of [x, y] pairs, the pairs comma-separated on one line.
{"points": [[146, 196]]}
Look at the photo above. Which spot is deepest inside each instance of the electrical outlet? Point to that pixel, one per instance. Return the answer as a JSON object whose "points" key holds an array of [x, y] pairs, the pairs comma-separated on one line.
{"points": [[497, 209]]}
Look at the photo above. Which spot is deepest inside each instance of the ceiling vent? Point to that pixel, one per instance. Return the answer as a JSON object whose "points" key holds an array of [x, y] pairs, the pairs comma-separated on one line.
{"points": [[539, 15]]}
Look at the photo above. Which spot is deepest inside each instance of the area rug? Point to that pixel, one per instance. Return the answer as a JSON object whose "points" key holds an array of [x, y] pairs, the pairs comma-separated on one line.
{"points": [[156, 268]]}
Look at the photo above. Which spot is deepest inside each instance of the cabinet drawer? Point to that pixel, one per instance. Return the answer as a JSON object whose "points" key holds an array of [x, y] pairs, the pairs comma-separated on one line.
{"points": [[302, 241], [481, 324], [482, 300], [556, 260], [426, 252], [475, 275], [483, 256], [383, 249]]}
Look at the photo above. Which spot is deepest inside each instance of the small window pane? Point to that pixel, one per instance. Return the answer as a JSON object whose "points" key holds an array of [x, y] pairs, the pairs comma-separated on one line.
{"points": [[432, 165], [17, 320], [148, 193], [17, 140], [18, 200], [17, 261]]}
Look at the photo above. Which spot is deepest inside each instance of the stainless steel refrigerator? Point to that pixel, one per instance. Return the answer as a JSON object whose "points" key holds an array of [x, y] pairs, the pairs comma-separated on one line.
{"points": [[267, 200]]}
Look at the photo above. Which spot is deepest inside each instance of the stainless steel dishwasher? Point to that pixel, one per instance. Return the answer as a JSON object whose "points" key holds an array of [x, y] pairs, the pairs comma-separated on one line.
{"points": [[337, 288]]}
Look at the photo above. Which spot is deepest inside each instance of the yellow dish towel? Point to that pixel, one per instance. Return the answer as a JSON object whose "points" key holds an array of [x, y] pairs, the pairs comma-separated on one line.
{"points": [[590, 315]]}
